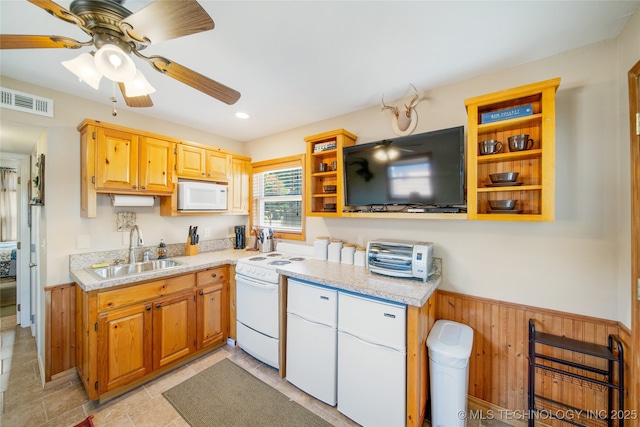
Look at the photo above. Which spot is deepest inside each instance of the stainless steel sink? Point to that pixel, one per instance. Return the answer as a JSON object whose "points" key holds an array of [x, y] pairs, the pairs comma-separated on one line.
{"points": [[123, 270]]}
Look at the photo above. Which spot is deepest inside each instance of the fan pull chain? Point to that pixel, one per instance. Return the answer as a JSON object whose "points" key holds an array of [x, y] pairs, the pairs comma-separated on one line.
{"points": [[113, 99]]}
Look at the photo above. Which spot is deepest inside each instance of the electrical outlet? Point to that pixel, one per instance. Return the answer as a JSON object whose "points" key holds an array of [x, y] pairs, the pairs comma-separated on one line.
{"points": [[360, 239], [207, 232]]}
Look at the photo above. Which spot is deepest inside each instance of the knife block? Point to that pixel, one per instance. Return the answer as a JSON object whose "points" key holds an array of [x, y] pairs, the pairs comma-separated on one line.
{"points": [[190, 249]]}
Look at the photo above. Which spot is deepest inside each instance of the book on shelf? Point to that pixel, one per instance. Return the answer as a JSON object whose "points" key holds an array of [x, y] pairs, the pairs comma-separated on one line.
{"points": [[509, 113]]}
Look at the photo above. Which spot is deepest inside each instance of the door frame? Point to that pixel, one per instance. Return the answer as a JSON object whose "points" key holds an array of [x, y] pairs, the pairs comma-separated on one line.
{"points": [[22, 163], [634, 139]]}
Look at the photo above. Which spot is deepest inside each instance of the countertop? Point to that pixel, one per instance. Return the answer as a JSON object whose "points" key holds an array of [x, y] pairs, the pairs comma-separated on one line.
{"points": [[360, 280], [340, 276], [90, 282]]}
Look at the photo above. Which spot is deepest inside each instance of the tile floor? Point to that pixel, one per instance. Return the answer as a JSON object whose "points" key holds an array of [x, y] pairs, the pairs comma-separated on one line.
{"points": [[24, 402]]}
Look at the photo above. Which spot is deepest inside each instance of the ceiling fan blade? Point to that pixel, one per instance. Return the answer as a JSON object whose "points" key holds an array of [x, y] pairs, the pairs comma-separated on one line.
{"points": [[19, 41], [164, 20], [193, 79], [135, 101], [58, 11]]}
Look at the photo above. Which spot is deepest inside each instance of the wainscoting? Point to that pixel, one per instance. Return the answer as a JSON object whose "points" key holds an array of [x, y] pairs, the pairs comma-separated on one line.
{"points": [[60, 325], [499, 361], [497, 366]]}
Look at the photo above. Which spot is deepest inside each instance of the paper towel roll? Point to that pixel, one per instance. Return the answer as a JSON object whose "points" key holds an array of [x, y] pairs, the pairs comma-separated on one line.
{"points": [[127, 200]]}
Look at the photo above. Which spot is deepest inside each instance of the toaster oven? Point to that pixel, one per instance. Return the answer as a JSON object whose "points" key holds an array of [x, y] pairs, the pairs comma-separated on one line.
{"points": [[400, 258]]}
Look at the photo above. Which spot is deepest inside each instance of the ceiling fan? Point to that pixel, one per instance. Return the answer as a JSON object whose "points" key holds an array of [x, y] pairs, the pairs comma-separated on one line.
{"points": [[116, 33]]}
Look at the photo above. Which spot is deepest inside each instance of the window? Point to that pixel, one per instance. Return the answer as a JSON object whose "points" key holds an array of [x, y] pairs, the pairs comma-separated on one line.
{"points": [[277, 200]]}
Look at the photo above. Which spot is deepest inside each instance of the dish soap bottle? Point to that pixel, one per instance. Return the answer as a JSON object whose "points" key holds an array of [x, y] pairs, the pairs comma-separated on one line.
{"points": [[162, 250]]}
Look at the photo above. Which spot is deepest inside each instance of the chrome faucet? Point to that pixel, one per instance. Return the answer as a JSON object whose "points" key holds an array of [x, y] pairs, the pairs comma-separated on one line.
{"points": [[132, 245]]}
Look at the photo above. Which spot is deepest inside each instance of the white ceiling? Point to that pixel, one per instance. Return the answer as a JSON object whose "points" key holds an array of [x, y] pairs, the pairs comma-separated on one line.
{"points": [[298, 62]]}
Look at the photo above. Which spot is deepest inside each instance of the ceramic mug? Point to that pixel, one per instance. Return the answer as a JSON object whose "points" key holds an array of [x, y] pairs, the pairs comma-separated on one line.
{"points": [[520, 142], [490, 146]]}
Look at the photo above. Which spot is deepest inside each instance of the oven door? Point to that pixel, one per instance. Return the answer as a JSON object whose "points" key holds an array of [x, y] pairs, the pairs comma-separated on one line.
{"points": [[257, 305]]}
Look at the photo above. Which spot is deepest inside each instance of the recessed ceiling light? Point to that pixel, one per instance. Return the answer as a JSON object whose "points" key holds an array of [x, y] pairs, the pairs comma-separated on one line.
{"points": [[242, 115]]}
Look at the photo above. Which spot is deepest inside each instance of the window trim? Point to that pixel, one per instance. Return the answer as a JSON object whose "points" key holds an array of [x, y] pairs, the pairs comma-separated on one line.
{"points": [[277, 164]]}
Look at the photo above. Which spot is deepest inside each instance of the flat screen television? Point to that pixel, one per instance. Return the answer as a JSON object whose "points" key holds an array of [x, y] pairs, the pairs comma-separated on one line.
{"points": [[423, 170]]}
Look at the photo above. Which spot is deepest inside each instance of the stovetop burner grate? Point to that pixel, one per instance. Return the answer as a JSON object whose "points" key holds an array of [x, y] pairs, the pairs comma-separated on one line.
{"points": [[257, 258], [297, 258]]}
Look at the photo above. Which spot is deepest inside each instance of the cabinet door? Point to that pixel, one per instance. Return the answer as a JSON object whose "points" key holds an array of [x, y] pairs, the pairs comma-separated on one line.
{"points": [[211, 312], [239, 194], [173, 329], [156, 165], [124, 346], [217, 165], [212, 305], [191, 161], [116, 160]]}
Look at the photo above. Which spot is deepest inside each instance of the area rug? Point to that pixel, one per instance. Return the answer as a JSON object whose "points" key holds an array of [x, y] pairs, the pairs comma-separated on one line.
{"points": [[227, 395], [7, 297]]}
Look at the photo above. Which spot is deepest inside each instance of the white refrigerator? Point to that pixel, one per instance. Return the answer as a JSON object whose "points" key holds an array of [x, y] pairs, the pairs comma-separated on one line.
{"points": [[372, 360], [312, 315]]}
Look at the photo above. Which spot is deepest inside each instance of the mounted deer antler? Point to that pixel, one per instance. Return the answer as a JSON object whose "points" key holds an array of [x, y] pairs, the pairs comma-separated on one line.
{"points": [[394, 110], [406, 123]]}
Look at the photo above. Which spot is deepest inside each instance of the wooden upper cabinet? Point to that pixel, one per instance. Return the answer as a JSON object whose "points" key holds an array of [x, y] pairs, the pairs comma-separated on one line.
{"points": [[156, 165], [199, 162], [528, 110], [117, 160], [217, 165], [239, 185], [191, 162]]}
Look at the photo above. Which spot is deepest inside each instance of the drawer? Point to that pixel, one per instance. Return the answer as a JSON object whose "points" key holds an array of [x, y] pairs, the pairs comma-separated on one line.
{"points": [[373, 320], [314, 303], [213, 276], [158, 288]]}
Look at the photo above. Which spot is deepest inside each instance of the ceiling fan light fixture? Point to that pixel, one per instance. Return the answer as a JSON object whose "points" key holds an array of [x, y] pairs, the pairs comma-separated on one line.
{"points": [[85, 68], [138, 86], [114, 63]]}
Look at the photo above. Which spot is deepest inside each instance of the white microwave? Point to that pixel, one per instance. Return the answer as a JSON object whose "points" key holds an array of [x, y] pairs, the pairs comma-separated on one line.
{"points": [[201, 196]]}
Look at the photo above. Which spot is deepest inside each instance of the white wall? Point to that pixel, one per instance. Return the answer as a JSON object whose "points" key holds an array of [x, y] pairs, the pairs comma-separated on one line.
{"points": [[628, 56], [575, 264]]}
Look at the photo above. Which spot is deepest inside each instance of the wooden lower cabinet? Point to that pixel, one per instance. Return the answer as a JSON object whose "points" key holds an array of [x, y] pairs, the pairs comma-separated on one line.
{"points": [[173, 329], [129, 335], [212, 307], [124, 346]]}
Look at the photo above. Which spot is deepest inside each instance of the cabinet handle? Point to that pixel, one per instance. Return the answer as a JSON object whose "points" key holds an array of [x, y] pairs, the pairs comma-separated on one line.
{"points": [[158, 305], [148, 308], [135, 186], [201, 292], [203, 174], [144, 187], [214, 275]]}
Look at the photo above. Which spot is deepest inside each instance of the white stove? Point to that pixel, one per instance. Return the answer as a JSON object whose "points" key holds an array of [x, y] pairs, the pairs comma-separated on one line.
{"points": [[262, 266], [257, 300]]}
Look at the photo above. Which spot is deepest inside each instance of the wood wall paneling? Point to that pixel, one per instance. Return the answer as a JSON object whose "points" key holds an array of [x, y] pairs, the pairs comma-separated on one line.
{"points": [[498, 364], [60, 336]]}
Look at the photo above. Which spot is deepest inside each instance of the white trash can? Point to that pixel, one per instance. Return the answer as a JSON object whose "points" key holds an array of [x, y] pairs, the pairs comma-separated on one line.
{"points": [[449, 345]]}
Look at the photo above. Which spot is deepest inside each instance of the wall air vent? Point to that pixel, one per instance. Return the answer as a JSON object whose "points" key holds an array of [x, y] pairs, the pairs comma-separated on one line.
{"points": [[20, 101]]}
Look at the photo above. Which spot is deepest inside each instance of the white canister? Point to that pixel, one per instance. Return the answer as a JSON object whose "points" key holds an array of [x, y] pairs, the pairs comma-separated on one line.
{"points": [[359, 257], [320, 246], [333, 252], [347, 253]]}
